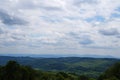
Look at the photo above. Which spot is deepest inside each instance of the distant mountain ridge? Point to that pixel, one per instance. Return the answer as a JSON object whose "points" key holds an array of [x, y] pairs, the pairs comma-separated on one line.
{"points": [[78, 65], [57, 55]]}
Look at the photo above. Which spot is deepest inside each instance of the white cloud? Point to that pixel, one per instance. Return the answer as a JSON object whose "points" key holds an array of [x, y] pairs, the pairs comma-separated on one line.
{"points": [[51, 22]]}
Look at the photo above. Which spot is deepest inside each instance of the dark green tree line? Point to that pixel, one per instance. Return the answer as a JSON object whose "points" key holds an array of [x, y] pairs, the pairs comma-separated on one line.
{"points": [[14, 71]]}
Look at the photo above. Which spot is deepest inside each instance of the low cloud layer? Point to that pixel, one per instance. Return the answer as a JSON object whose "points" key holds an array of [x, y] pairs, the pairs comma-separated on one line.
{"points": [[60, 26]]}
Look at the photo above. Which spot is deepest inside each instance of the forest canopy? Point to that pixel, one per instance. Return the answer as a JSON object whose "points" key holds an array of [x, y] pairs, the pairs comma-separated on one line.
{"points": [[14, 71]]}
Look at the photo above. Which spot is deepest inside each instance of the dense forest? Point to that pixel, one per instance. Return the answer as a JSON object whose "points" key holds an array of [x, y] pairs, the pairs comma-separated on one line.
{"points": [[14, 71], [92, 67]]}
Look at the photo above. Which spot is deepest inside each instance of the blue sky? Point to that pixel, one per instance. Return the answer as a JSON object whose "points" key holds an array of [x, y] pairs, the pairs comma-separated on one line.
{"points": [[60, 27]]}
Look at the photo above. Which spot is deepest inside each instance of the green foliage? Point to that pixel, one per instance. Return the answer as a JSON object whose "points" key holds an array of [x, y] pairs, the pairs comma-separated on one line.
{"points": [[14, 71], [82, 77], [82, 66], [113, 73]]}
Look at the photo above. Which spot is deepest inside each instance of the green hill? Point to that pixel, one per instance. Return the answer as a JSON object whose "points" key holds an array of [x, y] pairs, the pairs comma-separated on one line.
{"points": [[14, 71], [112, 73], [87, 66]]}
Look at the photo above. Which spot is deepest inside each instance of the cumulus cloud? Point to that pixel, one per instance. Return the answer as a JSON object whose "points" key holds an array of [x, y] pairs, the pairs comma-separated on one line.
{"points": [[86, 41], [11, 20], [81, 38], [56, 26], [109, 32], [1, 31]]}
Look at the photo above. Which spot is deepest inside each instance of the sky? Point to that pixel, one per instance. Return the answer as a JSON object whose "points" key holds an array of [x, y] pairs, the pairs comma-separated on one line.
{"points": [[78, 27]]}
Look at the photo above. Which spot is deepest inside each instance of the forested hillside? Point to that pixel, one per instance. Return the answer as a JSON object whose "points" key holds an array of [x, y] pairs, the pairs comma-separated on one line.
{"points": [[14, 71], [82, 66]]}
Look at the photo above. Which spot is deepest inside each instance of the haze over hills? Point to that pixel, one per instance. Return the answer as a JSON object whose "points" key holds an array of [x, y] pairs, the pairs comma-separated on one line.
{"points": [[58, 55]]}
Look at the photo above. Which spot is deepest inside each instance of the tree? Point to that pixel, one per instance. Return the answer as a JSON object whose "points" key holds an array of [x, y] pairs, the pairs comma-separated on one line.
{"points": [[14, 71], [0, 72], [83, 77], [113, 73]]}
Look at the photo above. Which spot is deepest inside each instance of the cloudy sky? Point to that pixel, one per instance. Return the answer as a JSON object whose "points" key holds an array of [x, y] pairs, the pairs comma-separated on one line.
{"points": [[60, 27]]}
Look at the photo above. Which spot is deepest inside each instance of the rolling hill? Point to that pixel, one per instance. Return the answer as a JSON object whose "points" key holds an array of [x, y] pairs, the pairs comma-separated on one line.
{"points": [[77, 65]]}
